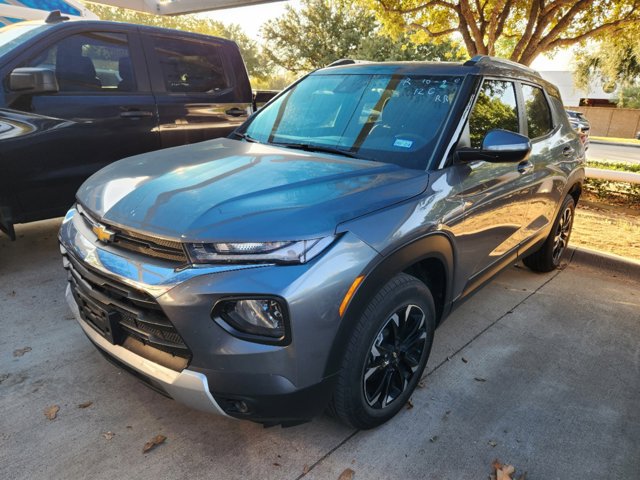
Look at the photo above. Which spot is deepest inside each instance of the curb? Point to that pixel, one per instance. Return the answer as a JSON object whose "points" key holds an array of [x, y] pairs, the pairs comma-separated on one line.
{"points": [[607, 261], [615, 144]]}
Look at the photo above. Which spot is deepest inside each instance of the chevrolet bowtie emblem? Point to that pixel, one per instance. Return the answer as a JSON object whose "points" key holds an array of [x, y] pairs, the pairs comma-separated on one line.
{"points": [[103, 233]]}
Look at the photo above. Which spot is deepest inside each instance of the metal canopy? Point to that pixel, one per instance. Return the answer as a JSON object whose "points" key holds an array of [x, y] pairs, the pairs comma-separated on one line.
{"points": [[12, 11]]}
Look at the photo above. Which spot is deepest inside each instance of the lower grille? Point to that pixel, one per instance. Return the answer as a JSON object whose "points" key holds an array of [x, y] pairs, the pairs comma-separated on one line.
{"points": [[120, 312]]}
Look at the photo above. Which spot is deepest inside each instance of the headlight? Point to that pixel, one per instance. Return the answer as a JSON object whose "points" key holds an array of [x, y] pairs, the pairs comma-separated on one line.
{"points": [[258, 252], [265, 317]]}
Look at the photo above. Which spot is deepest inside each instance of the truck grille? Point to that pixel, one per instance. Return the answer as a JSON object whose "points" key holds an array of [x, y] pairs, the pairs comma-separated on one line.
{"points": [[139, 242], [122, 313]]}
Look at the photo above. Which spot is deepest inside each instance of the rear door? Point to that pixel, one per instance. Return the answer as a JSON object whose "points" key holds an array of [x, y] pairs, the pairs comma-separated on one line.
{"points": [[104, 111], [553, 155], [201, 87]]}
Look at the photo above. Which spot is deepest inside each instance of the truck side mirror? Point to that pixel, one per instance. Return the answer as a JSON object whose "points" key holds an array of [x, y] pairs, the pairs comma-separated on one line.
{"points": [[498, 146], [33, 80]]}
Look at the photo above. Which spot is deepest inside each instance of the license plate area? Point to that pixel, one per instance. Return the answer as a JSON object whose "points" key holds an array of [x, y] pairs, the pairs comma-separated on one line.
{"points": [[106, 321]]}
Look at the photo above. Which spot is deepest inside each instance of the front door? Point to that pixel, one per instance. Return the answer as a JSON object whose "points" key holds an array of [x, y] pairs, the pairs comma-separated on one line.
{"points": [[495, 195], [104, 111]]}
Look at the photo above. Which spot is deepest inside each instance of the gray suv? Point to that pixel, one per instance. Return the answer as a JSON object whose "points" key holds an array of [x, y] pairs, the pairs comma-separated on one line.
{"points": [[305, 262]]}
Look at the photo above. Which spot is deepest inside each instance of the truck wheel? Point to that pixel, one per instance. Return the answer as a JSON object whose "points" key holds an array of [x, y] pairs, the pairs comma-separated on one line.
{"points": [[386, 354], [548, 257]]}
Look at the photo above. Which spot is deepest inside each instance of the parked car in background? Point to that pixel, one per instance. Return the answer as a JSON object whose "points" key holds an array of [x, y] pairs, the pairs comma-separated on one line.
{"points": [[581, 125], [306, 261], [80, 95]]}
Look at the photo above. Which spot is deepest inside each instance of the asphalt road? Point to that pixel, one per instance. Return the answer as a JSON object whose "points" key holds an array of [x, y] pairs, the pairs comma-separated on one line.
{"points": [[616, 153], [540, 371]]}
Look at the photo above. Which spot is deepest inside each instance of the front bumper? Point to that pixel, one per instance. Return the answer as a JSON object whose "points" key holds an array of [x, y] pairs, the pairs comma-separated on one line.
{"points": [[278, 384], [187, 387]]}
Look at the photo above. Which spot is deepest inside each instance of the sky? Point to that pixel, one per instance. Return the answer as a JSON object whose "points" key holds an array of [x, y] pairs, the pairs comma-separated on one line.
{"points": [[252, 17]]}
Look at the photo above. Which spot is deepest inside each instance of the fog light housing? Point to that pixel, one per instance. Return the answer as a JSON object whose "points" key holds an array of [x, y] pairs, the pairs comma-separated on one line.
{"points": [[262, 320]]}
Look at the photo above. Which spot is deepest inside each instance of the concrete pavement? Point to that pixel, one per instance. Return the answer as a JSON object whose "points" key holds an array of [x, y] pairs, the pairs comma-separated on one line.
{"points": [[550, 383]]}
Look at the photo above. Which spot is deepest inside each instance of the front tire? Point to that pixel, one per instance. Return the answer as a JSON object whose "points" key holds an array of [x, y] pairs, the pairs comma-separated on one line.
{"points": [[386, 354], [548, 257]]}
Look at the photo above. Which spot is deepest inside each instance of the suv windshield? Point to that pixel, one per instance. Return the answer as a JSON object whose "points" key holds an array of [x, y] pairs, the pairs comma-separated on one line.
{"points": [[13, 35], [387, 118]]}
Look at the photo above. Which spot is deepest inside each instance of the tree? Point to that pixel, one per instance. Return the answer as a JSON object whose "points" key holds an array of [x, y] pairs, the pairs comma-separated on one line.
{"points": [[322, 31], [257, 65], [516, 29], [615, 62]]}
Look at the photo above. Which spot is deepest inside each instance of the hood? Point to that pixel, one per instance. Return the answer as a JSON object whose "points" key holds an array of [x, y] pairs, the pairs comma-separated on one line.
{"points": [[228, 190]]}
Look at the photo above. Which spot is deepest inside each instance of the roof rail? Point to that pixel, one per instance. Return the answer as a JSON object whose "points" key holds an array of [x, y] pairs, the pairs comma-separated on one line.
{"points": [[345, 61], [486, 59], [56, 17]]}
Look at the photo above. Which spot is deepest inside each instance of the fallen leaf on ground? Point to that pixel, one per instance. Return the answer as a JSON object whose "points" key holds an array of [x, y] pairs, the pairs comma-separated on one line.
{"points": [[409, 404], [21, 351], [305, 469], [347, 474], [422, 383], [492, 443], [108, 435], [502, 472], [85, 404], [479, 379], [276, 464], [51, 412], [153, 443]]}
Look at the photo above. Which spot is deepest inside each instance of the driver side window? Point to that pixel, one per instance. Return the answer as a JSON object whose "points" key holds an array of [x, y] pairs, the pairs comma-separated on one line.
{"points": [[496, 107]]}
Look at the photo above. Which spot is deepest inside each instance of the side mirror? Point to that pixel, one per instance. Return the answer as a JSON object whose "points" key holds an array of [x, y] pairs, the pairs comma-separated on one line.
{"points": [[33, 80], [498, 146]]}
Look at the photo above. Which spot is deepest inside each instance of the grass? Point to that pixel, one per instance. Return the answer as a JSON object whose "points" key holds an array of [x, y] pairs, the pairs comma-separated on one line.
{"points": [[624, 141], [620, 166]]}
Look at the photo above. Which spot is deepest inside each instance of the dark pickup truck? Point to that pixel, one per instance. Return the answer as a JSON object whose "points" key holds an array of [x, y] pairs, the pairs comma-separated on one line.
{"points": [[79, 95]]}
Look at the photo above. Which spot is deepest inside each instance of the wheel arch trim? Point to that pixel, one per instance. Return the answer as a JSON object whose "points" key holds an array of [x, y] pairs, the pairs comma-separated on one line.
{"points": [[432, 246]]}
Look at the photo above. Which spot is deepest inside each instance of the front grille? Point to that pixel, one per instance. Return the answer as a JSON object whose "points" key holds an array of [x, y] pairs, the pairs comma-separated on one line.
{"points": [[148, 245], [120, 312], [139, 242]]}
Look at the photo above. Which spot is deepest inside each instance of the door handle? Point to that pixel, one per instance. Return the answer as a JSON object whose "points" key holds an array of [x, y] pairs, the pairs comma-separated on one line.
{"points": [[236, 112], [136, 114], [525, 167], [568, 151]]}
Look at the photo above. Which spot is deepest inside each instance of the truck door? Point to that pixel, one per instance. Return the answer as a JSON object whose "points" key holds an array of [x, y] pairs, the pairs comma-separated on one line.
{"points": [[104, 111], [201, 87]]}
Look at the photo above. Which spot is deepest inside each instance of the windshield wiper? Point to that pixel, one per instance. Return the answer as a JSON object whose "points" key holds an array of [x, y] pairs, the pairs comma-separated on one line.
{"points": [[245, 136], [307, 147]]}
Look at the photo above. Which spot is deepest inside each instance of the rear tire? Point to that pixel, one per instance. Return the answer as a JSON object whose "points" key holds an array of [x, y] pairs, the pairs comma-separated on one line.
{"points": [[549, 255], [386, 354]]}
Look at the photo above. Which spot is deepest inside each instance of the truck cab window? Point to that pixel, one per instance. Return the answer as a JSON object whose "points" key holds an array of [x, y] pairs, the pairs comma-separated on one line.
{"points": [[89, 62], [190, 66]]}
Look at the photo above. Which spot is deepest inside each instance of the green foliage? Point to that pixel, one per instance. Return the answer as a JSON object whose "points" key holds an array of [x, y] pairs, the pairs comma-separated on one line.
{"points": [[630, 97], [619, 166], [516, 29], [322, 31], [257, 65], [616, 63]]}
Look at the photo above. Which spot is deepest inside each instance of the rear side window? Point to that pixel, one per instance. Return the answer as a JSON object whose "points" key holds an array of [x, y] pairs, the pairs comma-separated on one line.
{"points": [[89, 62], [538, 111], [190, 66], [496, 107]]}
